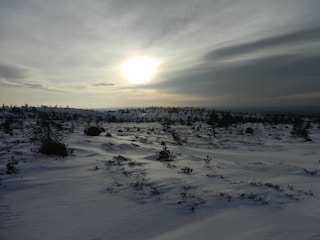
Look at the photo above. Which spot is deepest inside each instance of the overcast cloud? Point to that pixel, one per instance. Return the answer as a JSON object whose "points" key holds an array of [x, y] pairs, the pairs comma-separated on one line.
{"points": [[213, 53]]}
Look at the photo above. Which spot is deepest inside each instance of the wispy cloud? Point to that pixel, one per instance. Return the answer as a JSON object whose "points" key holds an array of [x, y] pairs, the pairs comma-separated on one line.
{"points": [[13, 72], [303, 37], [31, 85], [103, 84]]}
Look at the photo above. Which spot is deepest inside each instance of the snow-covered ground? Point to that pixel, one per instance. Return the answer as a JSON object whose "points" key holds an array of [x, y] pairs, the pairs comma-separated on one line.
{"points": [[236, 185]]}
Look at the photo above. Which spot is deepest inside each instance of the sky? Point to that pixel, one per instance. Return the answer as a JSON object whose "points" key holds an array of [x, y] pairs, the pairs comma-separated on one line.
{"points": [[211, 53]]}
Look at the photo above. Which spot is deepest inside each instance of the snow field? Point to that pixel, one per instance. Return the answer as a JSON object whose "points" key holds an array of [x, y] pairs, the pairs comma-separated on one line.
{"points": [[254, 186]]}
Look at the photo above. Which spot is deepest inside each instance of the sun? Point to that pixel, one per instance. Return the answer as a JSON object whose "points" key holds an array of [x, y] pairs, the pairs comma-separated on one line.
{"points": [[139, 70]]}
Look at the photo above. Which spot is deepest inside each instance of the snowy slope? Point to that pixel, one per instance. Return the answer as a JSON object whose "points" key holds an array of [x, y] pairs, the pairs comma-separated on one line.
{"points": [[254, 186]]}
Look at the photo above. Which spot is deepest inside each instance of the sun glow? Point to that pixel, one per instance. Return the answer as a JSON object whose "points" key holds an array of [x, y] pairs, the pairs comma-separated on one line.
{"points": [[139, 70]]}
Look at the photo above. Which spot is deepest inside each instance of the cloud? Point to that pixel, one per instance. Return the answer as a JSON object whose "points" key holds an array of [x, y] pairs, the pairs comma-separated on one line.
{"points": [[14, 75], [222, 49], [25, 84], [13, 72], [277, 72], [34, 86], [291, 39], [263, 78], [31, 85], [102, 84]]}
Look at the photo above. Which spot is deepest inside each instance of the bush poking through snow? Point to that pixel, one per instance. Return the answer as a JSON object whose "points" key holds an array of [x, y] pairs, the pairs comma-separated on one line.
{"points": [[7, 126], [154, 190], [252, 196], [94, 131], [11, 167], [207, 161], [47, 131], [187, 170], [54, 148], [177, 138], [300, 129], [311, 172], [249, 130], [165, 154]]}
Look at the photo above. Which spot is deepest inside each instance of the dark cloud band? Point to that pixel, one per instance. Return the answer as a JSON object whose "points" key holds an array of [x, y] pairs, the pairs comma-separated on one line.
{"points": [[290, 39]]}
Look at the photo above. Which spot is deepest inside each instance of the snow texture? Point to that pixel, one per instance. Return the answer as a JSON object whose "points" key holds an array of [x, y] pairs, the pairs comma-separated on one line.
{"points": [[234, 185]]}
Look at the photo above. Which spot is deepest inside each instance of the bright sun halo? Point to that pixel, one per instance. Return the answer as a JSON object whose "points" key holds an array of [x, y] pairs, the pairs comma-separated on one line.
{"points": [[139, 70]]}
